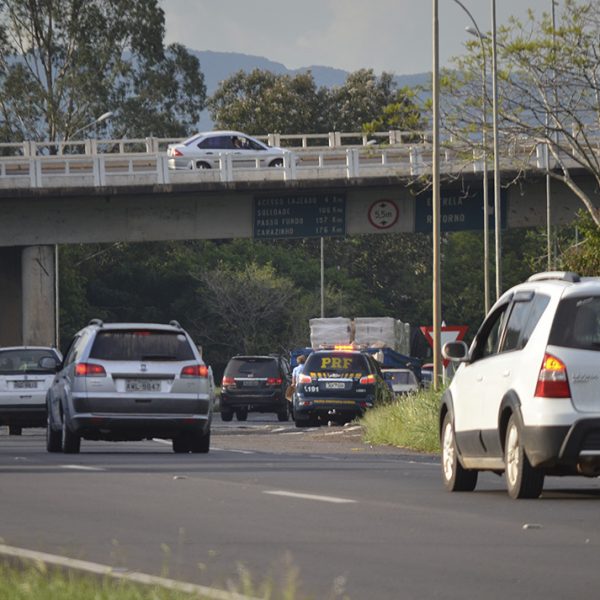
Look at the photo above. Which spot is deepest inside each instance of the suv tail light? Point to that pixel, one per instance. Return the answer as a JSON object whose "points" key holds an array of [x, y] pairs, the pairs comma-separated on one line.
{"points": [[552, 380], [304, 378], [366, 379], [274, 381], [175, 152], [89, 370], [195, 371], [227, 381]]}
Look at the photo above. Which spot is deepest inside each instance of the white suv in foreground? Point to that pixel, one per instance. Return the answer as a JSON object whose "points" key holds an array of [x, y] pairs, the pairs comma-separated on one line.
{"points": [[526, 397]]}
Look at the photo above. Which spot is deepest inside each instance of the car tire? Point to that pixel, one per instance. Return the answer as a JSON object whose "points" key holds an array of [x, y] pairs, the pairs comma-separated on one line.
{"points": [[70, 442], [278, 162], [200, 443], [241, 414], [181, 444], [226, 415], [455, 477], [522, 480], [202, 165], [53, 437], [15, 430], [284, 413]]}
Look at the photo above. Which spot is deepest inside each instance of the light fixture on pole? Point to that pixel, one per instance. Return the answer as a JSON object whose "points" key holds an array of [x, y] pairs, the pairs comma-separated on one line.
{"points": [[100, 119], [436, 276]]}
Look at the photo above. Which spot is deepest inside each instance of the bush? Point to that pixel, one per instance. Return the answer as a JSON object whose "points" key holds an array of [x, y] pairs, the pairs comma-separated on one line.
{"points": [[408, 422]]}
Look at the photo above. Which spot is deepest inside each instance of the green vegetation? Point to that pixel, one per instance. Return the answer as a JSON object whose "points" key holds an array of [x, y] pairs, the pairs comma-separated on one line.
{"points": [[410, 422], [39, 582]]}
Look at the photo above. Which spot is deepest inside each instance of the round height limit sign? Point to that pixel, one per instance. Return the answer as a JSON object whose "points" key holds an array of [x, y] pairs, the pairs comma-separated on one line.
{"points": [[383, 214]]}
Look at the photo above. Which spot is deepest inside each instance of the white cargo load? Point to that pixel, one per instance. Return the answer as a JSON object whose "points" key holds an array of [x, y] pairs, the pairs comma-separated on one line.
{"points": [[330, 330], [376, 332]]}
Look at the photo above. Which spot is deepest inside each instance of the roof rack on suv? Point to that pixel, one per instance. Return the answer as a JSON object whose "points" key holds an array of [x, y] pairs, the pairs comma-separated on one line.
{"points": [[556, 275], [98, 322], [174, 323]]}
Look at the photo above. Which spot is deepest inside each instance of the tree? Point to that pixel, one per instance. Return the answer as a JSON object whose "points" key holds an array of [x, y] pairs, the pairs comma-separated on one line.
{"points": [[72, 60], [261, 101], [548, 90]]}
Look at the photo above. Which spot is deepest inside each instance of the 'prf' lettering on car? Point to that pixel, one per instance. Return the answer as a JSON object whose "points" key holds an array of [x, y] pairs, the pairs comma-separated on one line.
{"points": [[335, 362]]}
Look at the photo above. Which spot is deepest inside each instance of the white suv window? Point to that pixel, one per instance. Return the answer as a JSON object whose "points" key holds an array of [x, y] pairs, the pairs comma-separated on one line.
{"points": [[523, 318], [577, 323]]}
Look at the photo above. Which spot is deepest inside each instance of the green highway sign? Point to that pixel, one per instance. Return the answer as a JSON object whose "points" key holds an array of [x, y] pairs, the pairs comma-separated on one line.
{"points": [[299, 215]]}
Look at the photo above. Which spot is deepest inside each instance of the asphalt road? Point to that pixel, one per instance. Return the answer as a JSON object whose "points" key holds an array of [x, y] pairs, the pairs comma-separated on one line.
{"points": [[354, 521]]}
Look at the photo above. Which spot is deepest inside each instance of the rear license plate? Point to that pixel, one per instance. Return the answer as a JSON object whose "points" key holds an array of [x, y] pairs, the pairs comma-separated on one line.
{"points": [[335, 385], [25, 385], [250, 383], [142, 385]]}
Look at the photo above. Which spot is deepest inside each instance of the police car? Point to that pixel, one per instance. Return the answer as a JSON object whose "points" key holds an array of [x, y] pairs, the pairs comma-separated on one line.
{"points": [[338, 385]]}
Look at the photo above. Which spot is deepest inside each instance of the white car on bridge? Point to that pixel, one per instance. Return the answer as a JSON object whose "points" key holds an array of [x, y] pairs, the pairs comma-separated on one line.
{"points": [[204, 151]]}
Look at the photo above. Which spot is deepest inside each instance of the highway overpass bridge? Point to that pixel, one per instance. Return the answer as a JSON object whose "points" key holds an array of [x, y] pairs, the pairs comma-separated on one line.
{"points": [[131, 196]]}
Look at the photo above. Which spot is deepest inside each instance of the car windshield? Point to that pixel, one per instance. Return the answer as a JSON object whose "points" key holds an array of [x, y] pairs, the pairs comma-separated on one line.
{"points": [[252, 366], [141, 345], [336, 364], [24, 361], [577, 323]]}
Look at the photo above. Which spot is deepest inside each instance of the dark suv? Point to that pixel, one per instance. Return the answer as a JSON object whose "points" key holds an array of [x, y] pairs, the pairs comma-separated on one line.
{"points": [[255, 383], [338, 385]]}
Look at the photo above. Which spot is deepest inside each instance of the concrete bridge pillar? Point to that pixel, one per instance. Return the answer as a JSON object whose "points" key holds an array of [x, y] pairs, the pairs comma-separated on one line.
{"points": [[28, 296]]}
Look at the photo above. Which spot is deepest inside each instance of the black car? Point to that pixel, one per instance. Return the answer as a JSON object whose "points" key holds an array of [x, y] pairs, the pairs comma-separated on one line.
{"points": [[255, 383], [338, 385]]}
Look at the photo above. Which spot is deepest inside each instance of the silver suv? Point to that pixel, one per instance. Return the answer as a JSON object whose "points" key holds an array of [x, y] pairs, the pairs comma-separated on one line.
{"points": [[525, 399], [131, 381]]}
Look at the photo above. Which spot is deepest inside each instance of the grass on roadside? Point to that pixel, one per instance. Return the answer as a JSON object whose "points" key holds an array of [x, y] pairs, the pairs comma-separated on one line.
{"points": [[408, 422], [40, 583]]}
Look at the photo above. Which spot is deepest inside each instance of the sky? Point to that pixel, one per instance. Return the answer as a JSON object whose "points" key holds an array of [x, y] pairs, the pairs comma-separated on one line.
{"points": [[385, 35]]}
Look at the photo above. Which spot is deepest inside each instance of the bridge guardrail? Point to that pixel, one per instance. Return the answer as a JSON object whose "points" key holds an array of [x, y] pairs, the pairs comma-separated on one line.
{"points": [[150, 168]]}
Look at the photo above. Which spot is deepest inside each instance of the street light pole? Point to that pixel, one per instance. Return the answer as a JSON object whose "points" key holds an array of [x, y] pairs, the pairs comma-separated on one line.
{"points": [[497, 209], [486, 217], [437, 286]]}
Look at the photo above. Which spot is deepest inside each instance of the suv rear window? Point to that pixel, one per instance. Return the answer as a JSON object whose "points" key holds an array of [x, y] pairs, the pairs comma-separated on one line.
{"points": [[577, 323], [142, 345], [252, 366], [339, 364]]}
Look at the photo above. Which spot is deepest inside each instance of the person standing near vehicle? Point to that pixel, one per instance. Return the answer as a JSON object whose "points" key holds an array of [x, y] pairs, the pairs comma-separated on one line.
{"points": [[298, 369]]}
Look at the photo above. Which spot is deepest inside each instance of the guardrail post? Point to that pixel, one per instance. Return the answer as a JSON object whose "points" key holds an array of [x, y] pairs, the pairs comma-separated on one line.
{"points": [[152, 145], [416, 161], [28, 148], [35, 172], [289, 167], [99, 168], [274, 139], [162, 163], [332, 138], [226, 167], [352, 165]]}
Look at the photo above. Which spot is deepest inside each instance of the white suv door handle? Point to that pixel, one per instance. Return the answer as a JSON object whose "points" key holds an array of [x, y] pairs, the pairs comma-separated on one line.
{"points": [[506, 374], [479, 378]]}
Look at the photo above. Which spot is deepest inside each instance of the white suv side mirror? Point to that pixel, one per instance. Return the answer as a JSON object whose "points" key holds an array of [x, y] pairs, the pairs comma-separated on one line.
{"points": [[455, 351]]}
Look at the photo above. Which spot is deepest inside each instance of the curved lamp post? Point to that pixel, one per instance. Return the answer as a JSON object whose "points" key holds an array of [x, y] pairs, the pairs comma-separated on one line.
{"points": [[100, 119]]}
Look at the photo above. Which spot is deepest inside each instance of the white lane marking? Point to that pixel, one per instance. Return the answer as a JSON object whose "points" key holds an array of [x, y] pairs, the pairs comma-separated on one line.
{"points": [[335, 433], [278, 429], [332, 499], [81, 468], [107, 571], [293, 433], [234, 451], [354, 428]]}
